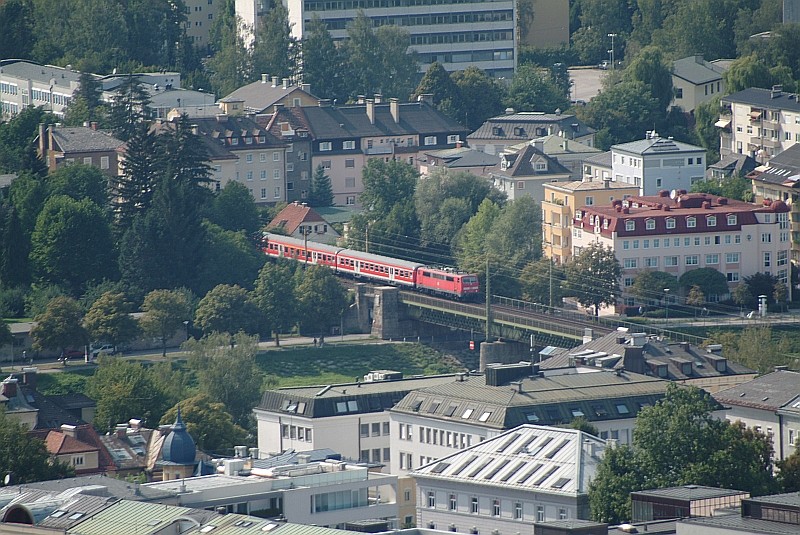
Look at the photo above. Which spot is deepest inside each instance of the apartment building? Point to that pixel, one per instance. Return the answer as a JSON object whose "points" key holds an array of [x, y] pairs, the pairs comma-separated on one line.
{"points": [[262, 96], [26, 83], [523, 172], [349, 418], [761, 123], [60, 146], [561, 198], [527, 475], [678, 232], [779, 179], [200, 16], [346, 137], [242, 151], [513, 128], [763, 404], [288, 128], [655, 163], [695, 81], [434, 422], [456, 33]]}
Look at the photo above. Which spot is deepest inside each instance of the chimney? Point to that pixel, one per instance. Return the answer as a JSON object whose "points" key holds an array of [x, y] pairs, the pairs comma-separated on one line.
{"points": [[93, 125], [69, 430], [517, 386], [306, 88], [459, 144], [588, 335], [426, 97], [277, 107], [303, 458], [324, 103], [776, 91], [378, 98], [360, 99], [121, 430], [135, 424], [43, 141], [274, 81], [9, 387], [286, 83], [371, 110], [254, 453], [394, 108], [698, 58], [241, 451], [29, 376], [264, 78], [538, 144]]}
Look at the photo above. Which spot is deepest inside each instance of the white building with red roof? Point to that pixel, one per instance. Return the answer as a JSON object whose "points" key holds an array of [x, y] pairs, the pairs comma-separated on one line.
{"points": [[679, 232], [300, 220]]}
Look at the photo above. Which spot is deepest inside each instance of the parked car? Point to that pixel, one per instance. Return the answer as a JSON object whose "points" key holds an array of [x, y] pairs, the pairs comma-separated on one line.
{"points": [[603, 65], [102, 348], [74, 353]]}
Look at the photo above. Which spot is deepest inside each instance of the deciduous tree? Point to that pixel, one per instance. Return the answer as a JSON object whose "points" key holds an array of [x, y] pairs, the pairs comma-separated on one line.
{"points": [[321, 300], [652, 69], [275, 297], [710, 281], [234, 208], [109, 320], [648, 286], [209, 423], [479, 97], [227, 309], [228, 373], [437, 82], [593, 277], [59, 326], [533, 89], [164, 313], [230, 258], [622, 113], [747, 71], [24, 457], [80, 182], [542, 282]]}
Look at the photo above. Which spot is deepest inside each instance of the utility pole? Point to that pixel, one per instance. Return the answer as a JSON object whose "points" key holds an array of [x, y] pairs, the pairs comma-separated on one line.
{"points": [[551, 282], [366, 239], [488, 303]]}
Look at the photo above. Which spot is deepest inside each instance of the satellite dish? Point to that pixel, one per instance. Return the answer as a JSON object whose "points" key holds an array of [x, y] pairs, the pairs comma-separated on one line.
{"points": [[673, 194]]}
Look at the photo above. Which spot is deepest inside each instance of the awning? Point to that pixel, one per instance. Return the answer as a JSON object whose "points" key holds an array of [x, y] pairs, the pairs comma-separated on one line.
{"points": [[755, 115], [723, 123]]}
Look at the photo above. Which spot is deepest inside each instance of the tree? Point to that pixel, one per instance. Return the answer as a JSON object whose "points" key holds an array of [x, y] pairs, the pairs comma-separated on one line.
{"points": [[593, 277], [184, 158], [696, 297], [80, 182], [709, 281], [533, 89], [780, 293], [133, 190], [129, 107], [231, 64], [622, 113], [363, 56], [479, 97], [323, 64], [59, 326], [733, 187], [109, 320], [469, 245], [14, 249], [756, 347], [24, 457], [6, 338], [650, 68], [226, 309], [437, 82], [321, 299], [275, 297], [83, 225], [398, 63], [676, 442], [86, 104], [745, 72], [164, 313], [387, 184], [741, 296], [123, 390], [234, 208], [230, 258], [227, 373], [17, 148], [16, 29], [706, 115], [275, 51], [209, 423], [542, 279], [789, 472], [321, 189], [649, 286]]}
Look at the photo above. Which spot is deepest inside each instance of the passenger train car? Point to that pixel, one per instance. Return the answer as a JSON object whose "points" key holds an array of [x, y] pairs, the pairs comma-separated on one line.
{"points": [[374, 267]]}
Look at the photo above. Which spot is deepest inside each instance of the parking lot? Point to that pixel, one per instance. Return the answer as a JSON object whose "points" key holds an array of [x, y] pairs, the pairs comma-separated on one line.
{"points": [[586, 82]]}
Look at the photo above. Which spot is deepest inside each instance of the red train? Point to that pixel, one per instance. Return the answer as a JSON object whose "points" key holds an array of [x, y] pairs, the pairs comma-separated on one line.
{"points": [[374, 267]]}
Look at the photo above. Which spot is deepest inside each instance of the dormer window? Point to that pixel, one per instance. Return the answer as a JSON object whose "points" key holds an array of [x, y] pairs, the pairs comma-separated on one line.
{"points": [[349, 145], [691, 222], [234, 141], [670, 222], [540, 166], [248, 140], [731, 219], [630, 225], [650, 224], [711, 221], [497, 131]]}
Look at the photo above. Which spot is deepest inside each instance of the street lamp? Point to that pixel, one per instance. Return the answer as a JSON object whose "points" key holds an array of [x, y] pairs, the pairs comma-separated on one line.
{"points": [[612, 36], [666, 306]]}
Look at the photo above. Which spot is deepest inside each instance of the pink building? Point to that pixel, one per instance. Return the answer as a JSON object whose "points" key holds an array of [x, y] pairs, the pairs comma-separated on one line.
{"points": [[689, 231]]}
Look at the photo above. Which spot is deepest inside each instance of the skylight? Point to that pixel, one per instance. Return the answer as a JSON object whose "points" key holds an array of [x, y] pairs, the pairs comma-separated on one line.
{"points": [[467, 413]]}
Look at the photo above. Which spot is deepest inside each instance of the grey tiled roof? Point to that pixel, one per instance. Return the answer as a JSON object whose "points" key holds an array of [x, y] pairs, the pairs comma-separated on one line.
{"points": [[697, 71], [602, 159], [345, 122], [543, 400], [260, 96], [764, 98], [689, 492], [464, 157], [783, 169], [323, 400], [523, 164], [656, 145], [30, 70], [84, 139], [735, 164], [736, 523], [768, 392], [522, 126]]}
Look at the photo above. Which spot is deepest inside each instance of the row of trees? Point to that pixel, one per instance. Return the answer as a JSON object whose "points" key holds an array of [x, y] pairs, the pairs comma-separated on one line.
{"points": [[678, 442]]}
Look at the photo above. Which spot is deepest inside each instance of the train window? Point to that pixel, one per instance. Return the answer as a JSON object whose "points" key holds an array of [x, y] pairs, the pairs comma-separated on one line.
{"points": [[449, 278], [425, 273]]}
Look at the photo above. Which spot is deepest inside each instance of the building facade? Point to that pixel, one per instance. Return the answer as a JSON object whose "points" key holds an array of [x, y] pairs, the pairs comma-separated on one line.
{"points": [[60, 146], [513, 128], [524, 172], [287, 127], [26, 83], [695, 81], [654, 164], [561, 198], [200, 17], [527, 475], [761, 123], [682, 232]]}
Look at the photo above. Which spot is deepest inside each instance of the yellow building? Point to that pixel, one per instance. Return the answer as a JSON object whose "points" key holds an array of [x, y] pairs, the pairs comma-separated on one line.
{"points": [[560, 200]]}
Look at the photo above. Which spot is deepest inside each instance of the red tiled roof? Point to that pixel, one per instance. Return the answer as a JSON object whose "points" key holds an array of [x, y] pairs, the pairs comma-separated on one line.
{"points": [[59, 443], [293, 216]]}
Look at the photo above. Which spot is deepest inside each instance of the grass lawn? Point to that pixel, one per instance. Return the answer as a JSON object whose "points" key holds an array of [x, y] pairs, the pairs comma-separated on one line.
{"points": [[343, 363], [65, 382]]}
